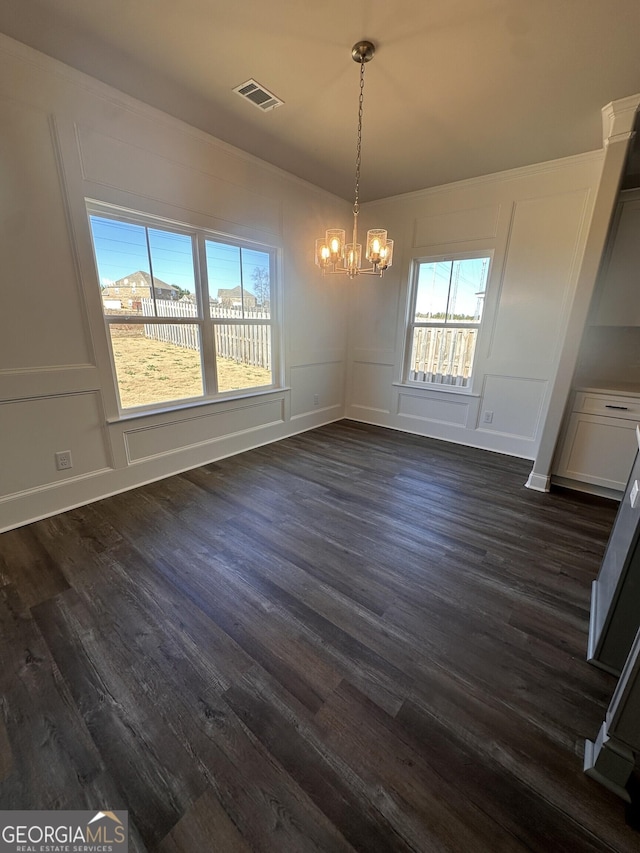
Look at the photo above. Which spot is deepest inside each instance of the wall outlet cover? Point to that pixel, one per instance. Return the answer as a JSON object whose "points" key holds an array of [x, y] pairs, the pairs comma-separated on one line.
{"points": [[64, 460]]}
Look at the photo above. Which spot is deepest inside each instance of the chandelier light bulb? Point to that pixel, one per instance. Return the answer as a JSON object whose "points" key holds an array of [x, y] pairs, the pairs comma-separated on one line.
{"points": [[376, 245], [322, 254], [386, 256]]}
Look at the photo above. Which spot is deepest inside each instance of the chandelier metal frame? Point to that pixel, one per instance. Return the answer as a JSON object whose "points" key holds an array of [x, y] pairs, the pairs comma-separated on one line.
{"points": [[333, 254]]}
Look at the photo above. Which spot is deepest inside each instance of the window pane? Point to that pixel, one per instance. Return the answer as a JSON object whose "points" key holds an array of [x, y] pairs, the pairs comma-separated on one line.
{"points": [[173, 275], [451, 291], [123, 264], [156, 363], [239, 282], [225, 279], [243, 356], [442, 355], [257, 283], [122, 257], [468, 284], [432, 291]]}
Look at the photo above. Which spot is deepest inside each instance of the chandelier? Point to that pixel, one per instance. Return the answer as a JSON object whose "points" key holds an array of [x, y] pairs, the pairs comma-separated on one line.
{"points": [[333, 254]]}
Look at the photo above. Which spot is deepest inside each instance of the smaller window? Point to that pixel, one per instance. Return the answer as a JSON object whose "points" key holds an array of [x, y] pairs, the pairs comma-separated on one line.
{"points": [[447, 301]]}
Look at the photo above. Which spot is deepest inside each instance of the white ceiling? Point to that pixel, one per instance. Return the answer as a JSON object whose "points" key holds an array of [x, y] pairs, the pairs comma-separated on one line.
{"points": [[457, 88]]}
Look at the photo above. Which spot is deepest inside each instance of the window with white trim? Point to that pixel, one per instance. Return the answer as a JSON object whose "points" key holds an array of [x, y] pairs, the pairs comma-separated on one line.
{"points": [[188, 313], [446, 307]]}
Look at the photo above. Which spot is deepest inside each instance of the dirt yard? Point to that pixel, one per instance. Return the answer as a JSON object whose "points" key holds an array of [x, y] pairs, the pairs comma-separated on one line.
{"points": [[152, 371]]}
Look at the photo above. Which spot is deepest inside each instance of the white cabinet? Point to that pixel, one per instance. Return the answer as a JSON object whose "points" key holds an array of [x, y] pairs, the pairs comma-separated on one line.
{"points": [[599, 440], [618, 293]]}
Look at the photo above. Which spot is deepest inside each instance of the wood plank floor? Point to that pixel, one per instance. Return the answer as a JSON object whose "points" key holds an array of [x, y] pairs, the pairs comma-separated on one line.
{"points": [[353, 639]]}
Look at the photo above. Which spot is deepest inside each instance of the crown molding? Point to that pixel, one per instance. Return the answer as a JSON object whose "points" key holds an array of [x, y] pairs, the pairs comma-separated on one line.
{"points": [[618, 118]]}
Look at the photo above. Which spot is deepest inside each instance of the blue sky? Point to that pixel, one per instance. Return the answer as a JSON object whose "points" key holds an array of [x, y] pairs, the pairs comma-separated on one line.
{"points": [[121, 249]]}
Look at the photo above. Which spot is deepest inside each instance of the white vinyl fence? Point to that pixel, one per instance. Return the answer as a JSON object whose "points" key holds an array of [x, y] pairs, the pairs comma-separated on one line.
{"points": [[245, 343], [444, 356]]}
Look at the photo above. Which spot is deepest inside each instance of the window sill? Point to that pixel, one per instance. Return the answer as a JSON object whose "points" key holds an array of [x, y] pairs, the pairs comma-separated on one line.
{"points": [[196, 404], [440, 389]]}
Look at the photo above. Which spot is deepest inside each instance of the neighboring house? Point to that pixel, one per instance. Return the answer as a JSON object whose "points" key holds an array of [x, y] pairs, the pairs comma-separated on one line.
{"points": [[233, 298], [130, 290]]}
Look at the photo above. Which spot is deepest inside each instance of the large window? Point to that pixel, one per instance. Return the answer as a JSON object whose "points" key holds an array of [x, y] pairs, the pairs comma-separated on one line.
{"points": [[447, 301], [188, 314]]}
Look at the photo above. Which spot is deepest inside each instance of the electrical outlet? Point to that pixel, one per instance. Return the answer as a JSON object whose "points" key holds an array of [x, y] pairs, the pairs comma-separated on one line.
{"points": [[488, 417], [316, 400], [63, 460]]}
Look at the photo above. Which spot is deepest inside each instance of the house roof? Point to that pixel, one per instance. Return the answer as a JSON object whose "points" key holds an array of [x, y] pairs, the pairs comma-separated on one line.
{"points": [[142, 279], [456, 89]]}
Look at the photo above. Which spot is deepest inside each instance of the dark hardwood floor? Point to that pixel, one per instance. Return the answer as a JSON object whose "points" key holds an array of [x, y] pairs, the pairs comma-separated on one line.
{"points": [[354, 639]]}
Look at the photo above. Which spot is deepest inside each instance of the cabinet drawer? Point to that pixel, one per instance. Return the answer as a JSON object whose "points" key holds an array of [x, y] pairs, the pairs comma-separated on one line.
{"points": [[608, 406]]}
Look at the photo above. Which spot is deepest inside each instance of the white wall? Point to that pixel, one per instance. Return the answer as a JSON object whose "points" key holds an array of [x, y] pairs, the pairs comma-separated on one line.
{"points": [[535, 222], [66, 137]]}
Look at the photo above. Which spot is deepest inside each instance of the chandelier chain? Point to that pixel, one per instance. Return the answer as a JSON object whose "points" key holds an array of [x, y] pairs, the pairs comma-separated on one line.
{"points": [[356, 204]]}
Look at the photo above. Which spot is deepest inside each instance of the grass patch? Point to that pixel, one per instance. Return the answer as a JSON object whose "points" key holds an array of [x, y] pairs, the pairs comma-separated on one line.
{"points": [[155, 372]]}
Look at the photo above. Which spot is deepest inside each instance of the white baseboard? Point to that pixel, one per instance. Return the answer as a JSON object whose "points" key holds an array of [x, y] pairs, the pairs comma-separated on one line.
{"points": [[538, 482]]}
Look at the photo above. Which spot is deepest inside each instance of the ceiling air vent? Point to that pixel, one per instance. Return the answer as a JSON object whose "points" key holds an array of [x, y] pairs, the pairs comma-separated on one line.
{"points": [[258, 95]]}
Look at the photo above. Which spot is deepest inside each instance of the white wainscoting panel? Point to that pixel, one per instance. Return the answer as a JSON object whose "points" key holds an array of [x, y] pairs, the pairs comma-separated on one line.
{"points": [[40, 286], [323, 381], [371, 386], [135, 169], [516, 404], [538, 276], [481, 223], [443, 409], [43, 382], [74, 422], [144, 442]]}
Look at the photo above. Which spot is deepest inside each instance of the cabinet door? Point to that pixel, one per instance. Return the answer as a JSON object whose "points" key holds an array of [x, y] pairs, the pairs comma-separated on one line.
{"points": [[619, 287], [598, 450]]}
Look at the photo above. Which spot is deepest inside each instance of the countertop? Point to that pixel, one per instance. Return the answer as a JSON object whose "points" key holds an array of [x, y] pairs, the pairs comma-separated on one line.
{"points": [[620, 389]]}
